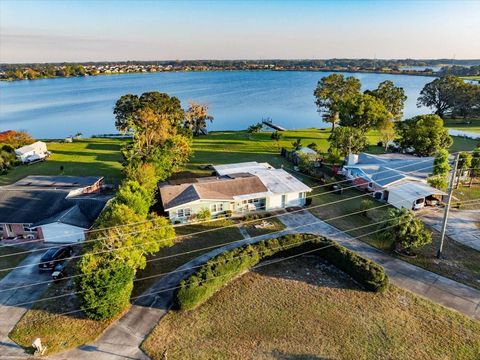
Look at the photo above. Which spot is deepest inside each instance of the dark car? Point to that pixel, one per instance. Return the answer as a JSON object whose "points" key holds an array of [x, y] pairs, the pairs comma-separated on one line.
{"points": [[54, 256]]}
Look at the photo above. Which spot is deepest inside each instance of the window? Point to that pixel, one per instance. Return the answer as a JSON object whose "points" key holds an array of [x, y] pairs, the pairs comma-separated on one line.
{"points": [[180, 213], [187, 212], [214, 207], [183, 212], [301, 195], [217, 207]]}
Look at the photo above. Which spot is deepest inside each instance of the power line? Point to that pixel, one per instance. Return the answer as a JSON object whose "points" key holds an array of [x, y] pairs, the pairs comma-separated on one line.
{"points": [[146, 221], [155, 228]]}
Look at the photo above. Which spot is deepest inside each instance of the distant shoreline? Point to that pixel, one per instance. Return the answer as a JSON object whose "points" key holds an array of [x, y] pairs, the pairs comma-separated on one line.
{"points": [[363, 71]]}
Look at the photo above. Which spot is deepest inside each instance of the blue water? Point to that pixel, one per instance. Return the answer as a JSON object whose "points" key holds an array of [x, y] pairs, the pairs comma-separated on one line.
{"points": [[55, 108]]}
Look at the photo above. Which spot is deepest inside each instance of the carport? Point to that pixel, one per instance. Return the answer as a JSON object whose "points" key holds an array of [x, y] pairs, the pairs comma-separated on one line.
{"points": [[412, 195]]}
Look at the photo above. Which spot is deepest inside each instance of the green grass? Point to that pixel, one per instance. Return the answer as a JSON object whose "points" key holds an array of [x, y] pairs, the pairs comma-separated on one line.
{"points": [[305, 309], [6, 261], [81, 158], [470, 125]]}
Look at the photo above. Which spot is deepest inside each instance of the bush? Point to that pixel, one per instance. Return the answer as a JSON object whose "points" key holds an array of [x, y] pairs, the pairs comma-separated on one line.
{"points": [[197, 288], [105, 287], [204, 214]]}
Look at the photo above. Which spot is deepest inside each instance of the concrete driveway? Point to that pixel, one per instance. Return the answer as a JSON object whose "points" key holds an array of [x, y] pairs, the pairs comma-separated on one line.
{"points": [[463, 226], [11, 314]]}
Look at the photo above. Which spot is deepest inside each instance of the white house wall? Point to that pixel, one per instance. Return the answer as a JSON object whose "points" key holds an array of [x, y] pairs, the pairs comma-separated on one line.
{"points": [[62, 233], [196, 207]]}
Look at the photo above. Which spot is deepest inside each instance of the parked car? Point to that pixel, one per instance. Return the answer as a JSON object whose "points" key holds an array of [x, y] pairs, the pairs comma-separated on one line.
{"points": [[58, 272], [54, 256]]}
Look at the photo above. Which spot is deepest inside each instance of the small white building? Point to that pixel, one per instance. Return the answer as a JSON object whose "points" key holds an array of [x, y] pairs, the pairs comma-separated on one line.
{"points": [[33, 152], [236, 189]]}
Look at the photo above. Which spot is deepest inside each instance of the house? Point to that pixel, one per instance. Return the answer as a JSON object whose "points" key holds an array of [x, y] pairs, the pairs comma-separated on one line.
{"points": [[398, 179], [51, 208], [235, 189], [33, 152]]}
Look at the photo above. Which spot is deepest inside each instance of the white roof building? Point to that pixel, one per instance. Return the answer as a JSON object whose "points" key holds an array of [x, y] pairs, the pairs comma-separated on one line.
{"points": [[36, 151]]}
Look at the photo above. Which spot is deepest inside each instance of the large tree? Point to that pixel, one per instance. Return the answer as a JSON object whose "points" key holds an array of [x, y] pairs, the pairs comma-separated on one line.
{"points": [[425, 134], [346, 140], [330, 91], [363, 112], [392, 97], [440, 94], [196, 118]]}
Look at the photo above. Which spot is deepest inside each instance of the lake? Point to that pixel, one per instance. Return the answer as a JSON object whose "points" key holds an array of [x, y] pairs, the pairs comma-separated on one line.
{"points": [[56, 108]]}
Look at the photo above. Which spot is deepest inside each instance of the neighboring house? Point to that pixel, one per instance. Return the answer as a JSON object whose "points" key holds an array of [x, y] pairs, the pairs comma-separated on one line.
{"points": [[396, 178], [33, 152], [237, 189], [52, 208]]}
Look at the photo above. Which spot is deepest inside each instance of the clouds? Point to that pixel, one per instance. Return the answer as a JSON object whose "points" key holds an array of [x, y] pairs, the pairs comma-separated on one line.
{"points": [[53, 31]]}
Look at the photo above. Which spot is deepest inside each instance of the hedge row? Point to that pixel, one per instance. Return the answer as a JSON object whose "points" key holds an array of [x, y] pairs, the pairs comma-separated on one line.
{"points": [[219, 270]]}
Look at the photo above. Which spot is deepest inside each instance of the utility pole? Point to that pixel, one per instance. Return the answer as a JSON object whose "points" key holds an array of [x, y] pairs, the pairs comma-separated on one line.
{"points": [[447, 206]]}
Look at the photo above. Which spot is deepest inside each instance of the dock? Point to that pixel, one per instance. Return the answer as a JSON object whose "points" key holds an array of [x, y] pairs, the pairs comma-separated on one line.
{"points": [[269, 123]]}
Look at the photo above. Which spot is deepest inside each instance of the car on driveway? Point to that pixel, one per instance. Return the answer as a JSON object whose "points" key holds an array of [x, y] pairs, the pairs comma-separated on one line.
{"points": [[54, 256]]}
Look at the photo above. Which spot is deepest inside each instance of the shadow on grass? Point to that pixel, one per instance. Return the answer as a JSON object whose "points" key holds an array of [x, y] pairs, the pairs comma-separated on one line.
{"points": [[105, 146], [99, 156], [281, 355]]}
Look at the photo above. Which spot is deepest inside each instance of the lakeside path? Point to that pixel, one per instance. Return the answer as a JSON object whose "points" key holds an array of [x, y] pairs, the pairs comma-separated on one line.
{"points": [[123, 338]]}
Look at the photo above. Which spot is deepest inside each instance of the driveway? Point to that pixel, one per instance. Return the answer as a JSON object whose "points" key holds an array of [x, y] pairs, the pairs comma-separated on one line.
{"points": [[463, 226], [10, 314]]}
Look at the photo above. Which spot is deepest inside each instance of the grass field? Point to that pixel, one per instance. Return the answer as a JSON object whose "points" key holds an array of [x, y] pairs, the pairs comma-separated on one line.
{"points": [[7, 262], [83, 157], [470, 125], [305, 309]]}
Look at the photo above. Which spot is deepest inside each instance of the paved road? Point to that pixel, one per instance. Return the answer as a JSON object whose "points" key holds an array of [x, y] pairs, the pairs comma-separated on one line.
{"points": [[123, 338], [10, 315], [463, 226]]}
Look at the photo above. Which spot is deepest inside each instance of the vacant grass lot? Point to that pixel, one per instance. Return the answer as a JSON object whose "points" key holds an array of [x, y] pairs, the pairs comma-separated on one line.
{"points": [[81, 158], [461, 262], [7, 262], [305, 309]]}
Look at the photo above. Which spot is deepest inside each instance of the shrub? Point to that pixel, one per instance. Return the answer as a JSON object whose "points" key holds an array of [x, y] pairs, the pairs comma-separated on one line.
{"points": [[219, 270], [105, 287], [204, 214]]}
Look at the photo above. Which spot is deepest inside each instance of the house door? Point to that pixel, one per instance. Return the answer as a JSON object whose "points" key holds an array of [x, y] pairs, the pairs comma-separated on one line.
{"points": [[9, 229], [284, 200]]}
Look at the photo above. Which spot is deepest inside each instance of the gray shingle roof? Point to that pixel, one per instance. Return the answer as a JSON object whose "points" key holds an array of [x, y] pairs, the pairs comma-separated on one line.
{"points": [[213, 188]]}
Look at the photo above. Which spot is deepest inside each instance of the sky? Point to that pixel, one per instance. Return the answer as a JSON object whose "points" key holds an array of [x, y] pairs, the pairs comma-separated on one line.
{"points": [[90, 30]]}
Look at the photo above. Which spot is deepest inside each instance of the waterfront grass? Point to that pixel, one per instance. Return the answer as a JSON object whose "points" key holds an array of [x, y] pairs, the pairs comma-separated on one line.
{"points": [[469, 125], [304, 309], [94, 156]]}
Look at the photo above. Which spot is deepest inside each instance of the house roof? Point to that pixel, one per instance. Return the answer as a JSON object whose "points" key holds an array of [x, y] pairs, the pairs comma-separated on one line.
{"points": [[28, 204], [277, 181], [390, 168], [55, 182], [212, 188], [414, 190]]}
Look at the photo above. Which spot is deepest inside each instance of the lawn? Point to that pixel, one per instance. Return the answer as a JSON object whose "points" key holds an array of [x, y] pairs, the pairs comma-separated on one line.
{"points": [[7, 262], [62, 332], [305, 309], [58, 332], [470, 125], [84, 157], [167, 261], [461, 262]]}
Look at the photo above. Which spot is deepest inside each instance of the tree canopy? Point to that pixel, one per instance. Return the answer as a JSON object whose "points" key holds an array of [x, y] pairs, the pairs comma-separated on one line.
{"points": [[425, 134], [440, 94], [331, 91], [392, 97], [196, 118], [363, 112], [347, 140]]}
